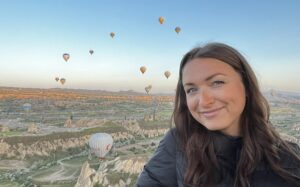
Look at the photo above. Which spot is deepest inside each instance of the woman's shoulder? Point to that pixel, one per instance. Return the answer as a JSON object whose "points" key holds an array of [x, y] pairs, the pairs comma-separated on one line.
{"points": [[170, 140], [294, 146], [161, 168]]}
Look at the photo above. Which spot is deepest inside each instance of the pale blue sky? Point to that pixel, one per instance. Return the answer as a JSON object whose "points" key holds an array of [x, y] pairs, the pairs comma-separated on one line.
{"points": [[34, 34]]}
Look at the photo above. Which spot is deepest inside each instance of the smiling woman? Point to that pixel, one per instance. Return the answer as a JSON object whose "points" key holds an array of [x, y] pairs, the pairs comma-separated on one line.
{"points": [[215, 94], [222, 135]]}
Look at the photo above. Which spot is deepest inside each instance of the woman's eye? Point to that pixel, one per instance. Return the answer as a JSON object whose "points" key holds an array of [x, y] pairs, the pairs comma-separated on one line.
{"points": [[190, 90], [217, 83]]}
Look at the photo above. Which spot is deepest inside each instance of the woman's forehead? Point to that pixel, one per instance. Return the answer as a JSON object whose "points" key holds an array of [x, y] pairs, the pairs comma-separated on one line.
{"points": [[205, 69]]}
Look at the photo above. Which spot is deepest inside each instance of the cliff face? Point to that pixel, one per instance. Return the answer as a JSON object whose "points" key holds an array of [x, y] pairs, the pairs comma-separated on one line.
{"points": [[85, 177], [40, 148], [89, 177], [131, 166]]}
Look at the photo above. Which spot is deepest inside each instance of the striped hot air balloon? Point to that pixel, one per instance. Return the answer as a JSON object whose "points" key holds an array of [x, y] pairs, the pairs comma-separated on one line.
{"points": [[100, 144]]}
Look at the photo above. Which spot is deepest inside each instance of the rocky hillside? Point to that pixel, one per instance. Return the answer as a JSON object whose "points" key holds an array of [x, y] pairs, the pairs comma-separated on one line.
{"points": [[90, 177], [41, 147]]}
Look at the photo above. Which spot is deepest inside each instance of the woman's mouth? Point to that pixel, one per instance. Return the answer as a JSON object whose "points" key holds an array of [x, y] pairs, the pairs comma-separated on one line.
{"points": [[211, 113]]}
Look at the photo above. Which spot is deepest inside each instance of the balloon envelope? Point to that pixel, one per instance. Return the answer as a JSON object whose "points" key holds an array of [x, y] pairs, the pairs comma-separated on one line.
{"points": [[91, 52], [57, 79], [177, 30], [100, 144], [143, 69], [167, 74], [62, 81], [112, 34], [66, 56], [161, 20], [148, 88]]}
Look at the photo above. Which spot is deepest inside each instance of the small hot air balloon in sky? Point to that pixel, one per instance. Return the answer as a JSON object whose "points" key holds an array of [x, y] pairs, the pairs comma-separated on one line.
{"points": [[143, 69], [62, 81], [177, 30], [112, 34], [273, 92], [167, 74], [100, 144], [57, 79], [27, 107], [148, 88], [91, 51], [66, 56], [161, 20]]}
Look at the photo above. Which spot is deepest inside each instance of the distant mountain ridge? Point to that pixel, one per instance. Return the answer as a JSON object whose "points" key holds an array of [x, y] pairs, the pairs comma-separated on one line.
{"points": [[121, 92]]}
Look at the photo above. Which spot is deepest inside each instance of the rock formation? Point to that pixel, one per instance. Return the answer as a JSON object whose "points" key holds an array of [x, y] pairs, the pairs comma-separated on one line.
{"points": [[32, 128]]}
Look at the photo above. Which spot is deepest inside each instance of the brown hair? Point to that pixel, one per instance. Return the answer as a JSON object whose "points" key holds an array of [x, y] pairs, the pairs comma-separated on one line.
{"points": [[260, 140]]}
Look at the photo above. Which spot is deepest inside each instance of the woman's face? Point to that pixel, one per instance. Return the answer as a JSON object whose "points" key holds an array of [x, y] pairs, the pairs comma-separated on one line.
{"points": [[215, 94]]}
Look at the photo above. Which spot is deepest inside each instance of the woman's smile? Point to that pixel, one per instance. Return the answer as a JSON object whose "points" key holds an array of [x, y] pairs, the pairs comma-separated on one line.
{"points": [[211, 113]]}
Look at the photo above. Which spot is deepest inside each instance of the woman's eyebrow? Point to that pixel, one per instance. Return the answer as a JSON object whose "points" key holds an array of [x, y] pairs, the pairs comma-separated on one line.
{"points": [[213, 75], [206, 79]]}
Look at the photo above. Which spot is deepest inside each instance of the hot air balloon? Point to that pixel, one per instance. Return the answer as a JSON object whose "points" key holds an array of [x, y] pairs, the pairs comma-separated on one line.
{"points": [[112, 34], [91, 51], [66, 56], [161, 20], [143, 69], [62, 81], [57, 79], [148, 88], [100, 144], [167, 74], [27, 106], [177, 30]]}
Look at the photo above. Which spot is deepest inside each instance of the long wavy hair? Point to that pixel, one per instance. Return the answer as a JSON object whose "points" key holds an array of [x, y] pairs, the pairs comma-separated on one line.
{"points": [[260, 140]]}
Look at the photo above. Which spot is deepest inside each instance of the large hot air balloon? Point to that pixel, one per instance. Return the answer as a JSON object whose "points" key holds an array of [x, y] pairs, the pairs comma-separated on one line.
{"points": [[177, 30], [62, 81], [161, 20], [143, 69], [57, 79], [100, 144], [66, 56], [167, 74], [91, 51], [148, 88], [112, 34]]}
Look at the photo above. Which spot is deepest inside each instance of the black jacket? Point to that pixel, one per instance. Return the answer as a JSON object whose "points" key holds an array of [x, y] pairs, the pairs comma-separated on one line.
{"points": [[167, 166]]}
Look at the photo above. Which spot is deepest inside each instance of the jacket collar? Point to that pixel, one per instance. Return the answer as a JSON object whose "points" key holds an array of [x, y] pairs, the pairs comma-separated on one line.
{"points": [[226, 146]]}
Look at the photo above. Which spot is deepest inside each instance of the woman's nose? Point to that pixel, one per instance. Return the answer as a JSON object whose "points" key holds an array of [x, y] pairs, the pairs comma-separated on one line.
{"points": [[205, 98]]}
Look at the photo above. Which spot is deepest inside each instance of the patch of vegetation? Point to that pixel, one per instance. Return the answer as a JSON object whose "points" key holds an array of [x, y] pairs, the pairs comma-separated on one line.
{"points": [[10, 133], [58, 185], [98, 185], [8, 183], [108, 127], [115, 177], [149, 125]]}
